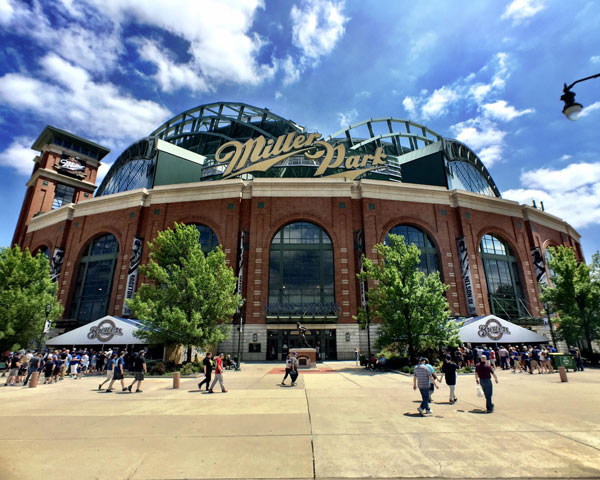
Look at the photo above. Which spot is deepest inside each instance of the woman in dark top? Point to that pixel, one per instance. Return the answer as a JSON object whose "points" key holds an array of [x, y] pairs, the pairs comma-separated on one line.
{"points": [[483, 375], [48, 369]]}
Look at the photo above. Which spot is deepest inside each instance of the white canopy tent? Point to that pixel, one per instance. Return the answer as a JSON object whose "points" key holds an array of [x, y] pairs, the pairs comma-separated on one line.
{"points": [[492, 329], [107, 330]]}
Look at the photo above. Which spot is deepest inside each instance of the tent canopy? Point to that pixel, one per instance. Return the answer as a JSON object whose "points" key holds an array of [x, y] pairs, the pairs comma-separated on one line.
{"points": [[107, 330], [492, 329]]}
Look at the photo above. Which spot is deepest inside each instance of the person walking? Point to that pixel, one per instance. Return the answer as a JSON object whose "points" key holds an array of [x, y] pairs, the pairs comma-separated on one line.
{"points": [[578, 359], [422, 379], [294, 368], [139, 369], [118, 373], [34, 365], [357, 356], [288, 368], [208, 368], [109, 370], [49, 365], [218, 375], [483, 376], [14, 364], [449, 371]]}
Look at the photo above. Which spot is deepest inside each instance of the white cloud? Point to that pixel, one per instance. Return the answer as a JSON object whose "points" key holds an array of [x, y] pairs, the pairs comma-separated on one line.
{"points": [[347, 118], [291, 71], [500, 110], [278, 95], [589, 109], [566, 157], [19, 156], [595, 59], [102, 171], [6, 12], [437, 104], [483, 136], [317, 26], [572, 192], [520, 10], [169, 75], [409, 105], [66, 95]]}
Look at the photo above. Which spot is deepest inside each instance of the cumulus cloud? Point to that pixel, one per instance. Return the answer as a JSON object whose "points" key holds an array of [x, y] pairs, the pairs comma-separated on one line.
{"points": [[521, 10], [572, 192], [19, 156], [66, 95], [483, 136], [317, 25], [501, 110], [278, 95], [102, 171], [589, 109], [437, 104], [594, 59], [291, 71], [347, 118]]}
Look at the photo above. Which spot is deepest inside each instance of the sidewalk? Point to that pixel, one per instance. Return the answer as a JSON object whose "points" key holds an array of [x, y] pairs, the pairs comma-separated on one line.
{"points": [[350, 423]]}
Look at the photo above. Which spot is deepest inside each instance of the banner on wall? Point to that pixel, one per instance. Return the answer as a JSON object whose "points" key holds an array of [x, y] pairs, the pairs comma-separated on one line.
{"points": [[132, 274], [360, 246], [466, 275], [539, 266], [56, 264]]}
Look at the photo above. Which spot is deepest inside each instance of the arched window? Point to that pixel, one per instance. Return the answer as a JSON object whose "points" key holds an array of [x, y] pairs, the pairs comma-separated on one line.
{"points": [[301, 268], [94, 279], [44, 250], [502, 277], [430, 258], [547, 258], [208, 238]]}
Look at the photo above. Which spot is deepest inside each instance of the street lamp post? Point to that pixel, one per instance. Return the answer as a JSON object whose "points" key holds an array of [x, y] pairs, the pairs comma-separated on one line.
{"points": [[549, 314], [45, 330], [572, 109]]}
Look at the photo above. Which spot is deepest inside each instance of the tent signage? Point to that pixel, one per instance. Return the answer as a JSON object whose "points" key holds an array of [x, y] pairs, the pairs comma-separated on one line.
{"points": [[493, 329], [104, 331]]}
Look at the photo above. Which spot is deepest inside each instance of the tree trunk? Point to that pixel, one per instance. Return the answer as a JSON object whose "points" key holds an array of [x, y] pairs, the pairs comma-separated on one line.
{"points": [[189, 353]]}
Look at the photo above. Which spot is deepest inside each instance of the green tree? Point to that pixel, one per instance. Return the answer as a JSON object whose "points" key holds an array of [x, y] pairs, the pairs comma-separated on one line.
{"points": [[412, 307], [190, 297], [26, 295], [574, 295]]}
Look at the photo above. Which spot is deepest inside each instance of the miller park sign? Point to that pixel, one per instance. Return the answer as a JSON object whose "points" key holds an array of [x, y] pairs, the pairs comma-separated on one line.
{"points": [[260, 154]]}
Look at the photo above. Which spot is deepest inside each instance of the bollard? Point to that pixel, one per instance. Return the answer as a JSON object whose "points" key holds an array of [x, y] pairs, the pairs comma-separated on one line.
{"points": [[562, 372], [176, 380], [33, 380]]}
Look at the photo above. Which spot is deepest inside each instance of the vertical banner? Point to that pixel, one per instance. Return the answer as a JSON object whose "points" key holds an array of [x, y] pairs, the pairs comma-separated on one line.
{"points": [[360, 247], [466, 275], [240, 279], [539, 266], [56, 264], [132, 274]]}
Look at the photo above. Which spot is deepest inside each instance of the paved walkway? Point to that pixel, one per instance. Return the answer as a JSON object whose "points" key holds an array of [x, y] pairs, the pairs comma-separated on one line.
{"points": [[347, 424]]}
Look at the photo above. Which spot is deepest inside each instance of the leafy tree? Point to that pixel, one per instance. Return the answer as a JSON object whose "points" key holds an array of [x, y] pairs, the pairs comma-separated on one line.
{"points": [[26, 293], [413, 309], [190, 297], [574, 295]]}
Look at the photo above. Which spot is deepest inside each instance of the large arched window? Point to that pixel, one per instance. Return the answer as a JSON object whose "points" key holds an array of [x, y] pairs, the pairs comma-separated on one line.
{"points": [[94, 279], [301, 269], [547, 258], [208, 238], [430, 258], [503, 279]]}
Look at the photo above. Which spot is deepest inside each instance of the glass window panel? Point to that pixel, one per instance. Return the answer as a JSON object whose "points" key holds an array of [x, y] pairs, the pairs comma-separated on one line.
{"points": [[422, 241]]}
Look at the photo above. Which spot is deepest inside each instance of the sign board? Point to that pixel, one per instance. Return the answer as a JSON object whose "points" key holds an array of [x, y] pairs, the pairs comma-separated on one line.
{"points": [[56, 263], [70, 166], [134, 266], [260, 154], [107, 330], [539, 266], [466, 275]]}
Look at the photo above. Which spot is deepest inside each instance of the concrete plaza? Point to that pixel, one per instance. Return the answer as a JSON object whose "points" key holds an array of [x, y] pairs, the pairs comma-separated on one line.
{"points": [[346, 423]]}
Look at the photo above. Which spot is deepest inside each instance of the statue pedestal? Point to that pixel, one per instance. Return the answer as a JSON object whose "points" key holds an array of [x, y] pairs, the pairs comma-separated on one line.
{"points": [[307, 357]]}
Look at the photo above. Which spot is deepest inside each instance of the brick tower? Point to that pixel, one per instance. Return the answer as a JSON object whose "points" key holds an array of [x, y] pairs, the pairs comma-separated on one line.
{"points": [[64, 172]]}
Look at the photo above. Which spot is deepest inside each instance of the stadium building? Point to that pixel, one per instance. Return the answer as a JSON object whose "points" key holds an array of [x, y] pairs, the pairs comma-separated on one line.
{"points": [[293, 211]]}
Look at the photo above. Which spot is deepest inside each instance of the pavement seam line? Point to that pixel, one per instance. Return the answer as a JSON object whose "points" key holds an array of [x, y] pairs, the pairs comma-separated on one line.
{"points": [[312, 443]]}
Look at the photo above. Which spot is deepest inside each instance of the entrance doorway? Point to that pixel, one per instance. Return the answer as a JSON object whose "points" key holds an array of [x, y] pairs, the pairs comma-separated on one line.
{"points": [[281, 342]]}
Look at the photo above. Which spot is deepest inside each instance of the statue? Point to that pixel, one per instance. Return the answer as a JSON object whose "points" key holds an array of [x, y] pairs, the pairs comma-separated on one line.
{"points": [[302, 330]]}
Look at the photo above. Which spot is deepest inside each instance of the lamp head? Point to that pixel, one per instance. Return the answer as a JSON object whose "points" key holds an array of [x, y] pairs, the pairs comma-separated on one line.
{"points": [[572, 109]]}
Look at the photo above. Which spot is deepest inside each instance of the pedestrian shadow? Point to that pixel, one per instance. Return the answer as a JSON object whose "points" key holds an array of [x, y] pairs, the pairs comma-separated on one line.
{"points": [[414, 415], [478, 411]]}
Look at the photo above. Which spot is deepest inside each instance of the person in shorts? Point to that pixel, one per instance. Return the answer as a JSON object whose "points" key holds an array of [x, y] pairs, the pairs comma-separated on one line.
{"points": [[109, 370], [75, 361], [139, 369], [48, 369], [118, 373], [13, 369]]}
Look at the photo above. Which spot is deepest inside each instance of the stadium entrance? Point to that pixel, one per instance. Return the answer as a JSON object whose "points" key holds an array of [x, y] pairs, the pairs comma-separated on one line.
{"points": [[281, 342]]}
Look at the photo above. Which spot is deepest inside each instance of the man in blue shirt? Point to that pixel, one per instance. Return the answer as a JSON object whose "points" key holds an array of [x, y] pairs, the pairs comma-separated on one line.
{"points": [[118, 373]]}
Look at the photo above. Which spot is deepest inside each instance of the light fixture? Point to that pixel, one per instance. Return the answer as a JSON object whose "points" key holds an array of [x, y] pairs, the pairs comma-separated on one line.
{"points": [[572, 109]]}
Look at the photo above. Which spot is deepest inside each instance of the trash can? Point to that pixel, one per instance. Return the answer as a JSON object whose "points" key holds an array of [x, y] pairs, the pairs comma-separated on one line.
{"points": [[563, 360]]}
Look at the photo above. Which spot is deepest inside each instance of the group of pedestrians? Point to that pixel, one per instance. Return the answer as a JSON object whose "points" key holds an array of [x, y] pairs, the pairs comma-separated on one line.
{"points": [[115, 371], [208, 365], [427, 380], [54, 365]]}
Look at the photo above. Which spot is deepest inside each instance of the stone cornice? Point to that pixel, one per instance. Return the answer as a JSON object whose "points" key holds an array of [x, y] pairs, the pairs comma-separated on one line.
{"points": [[64, 179], [299, 187], [548, 220], [198, 191], [111, 203], [484, 203], [53, 217]]}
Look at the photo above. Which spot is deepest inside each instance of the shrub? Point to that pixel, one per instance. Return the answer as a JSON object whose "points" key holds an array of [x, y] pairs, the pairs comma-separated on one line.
{"points": [[406, 369], [188, 369], [158, 369], [411, 370], [467, 369]]}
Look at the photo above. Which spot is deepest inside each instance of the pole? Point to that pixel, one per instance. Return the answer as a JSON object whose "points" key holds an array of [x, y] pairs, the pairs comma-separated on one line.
{"points": [[240, 333], [368, 322], [547, 307]]}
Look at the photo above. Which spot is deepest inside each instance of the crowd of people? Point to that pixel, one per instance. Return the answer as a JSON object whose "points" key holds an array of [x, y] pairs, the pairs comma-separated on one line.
{"points": [[55, 365]]}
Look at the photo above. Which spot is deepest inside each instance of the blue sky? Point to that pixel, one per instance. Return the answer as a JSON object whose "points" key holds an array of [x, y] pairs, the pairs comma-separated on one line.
{"points": [[488, 73]]}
